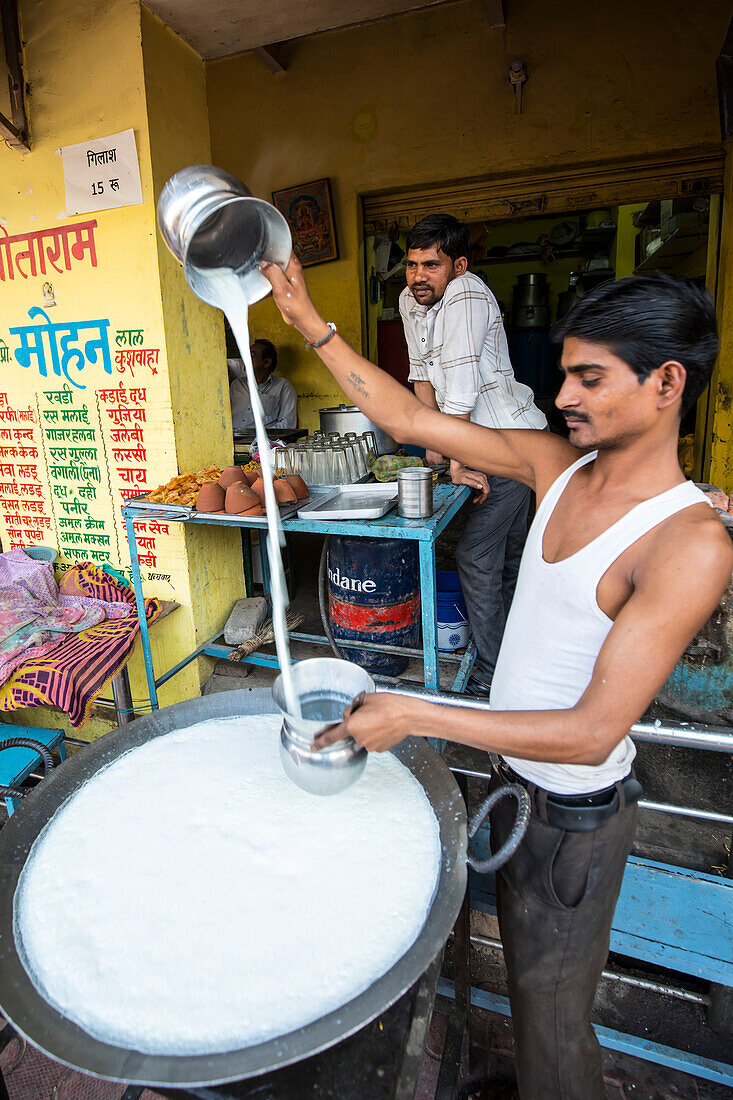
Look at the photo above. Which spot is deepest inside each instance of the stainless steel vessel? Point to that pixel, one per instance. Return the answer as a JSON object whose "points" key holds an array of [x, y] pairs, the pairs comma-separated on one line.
{"points": [[531, 301], [348, 418], [415, 492], [324, 687], [65, 1041], [215, 228]]}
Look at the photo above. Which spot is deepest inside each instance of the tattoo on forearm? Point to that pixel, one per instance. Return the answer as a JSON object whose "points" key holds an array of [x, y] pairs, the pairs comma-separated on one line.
{"points": [[358, 383]]}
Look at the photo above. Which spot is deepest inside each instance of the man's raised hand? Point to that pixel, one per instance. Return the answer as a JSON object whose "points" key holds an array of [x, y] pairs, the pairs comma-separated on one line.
{"points": [[293, 299]]}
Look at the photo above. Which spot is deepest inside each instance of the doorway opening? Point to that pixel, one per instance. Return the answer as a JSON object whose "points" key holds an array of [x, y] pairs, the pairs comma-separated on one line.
{"points": [[538, 265]]}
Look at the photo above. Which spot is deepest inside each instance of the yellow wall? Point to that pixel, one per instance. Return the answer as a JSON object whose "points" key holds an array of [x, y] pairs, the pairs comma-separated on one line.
{"points": [[194, 338], [85, 65], [720, 414], [423, 97], [625, 244]]}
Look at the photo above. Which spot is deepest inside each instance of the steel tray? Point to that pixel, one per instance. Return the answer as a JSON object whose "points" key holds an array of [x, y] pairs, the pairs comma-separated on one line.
{"points": [[352, 502], [151, 506], [285, 510]]}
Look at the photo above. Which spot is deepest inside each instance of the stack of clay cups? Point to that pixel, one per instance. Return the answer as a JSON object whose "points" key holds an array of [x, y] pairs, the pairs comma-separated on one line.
{"points": [[241, 492], [230, 494]]}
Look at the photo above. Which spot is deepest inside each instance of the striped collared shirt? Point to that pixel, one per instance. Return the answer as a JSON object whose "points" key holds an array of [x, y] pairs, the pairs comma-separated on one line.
{"points": [[460, 347]]}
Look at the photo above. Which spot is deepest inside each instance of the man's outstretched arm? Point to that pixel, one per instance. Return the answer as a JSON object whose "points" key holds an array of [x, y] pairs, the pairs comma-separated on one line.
{"points": [[513, 453], [672, 600]]}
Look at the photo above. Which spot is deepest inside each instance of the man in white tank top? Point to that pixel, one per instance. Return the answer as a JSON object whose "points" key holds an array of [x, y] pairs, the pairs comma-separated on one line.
{"points": [[624, 563]]}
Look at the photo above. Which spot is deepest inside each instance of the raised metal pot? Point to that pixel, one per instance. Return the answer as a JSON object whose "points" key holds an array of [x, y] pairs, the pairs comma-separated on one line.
{"points": [[214, 227], [348, 418]]}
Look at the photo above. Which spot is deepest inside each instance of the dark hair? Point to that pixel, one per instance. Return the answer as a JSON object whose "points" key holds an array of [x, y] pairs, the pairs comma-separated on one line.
{"points": [[648, 320], [269, 351], [441, 231]]}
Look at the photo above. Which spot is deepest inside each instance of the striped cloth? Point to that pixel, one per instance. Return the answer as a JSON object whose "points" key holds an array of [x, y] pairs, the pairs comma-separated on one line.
{"points": [[84, 665]]}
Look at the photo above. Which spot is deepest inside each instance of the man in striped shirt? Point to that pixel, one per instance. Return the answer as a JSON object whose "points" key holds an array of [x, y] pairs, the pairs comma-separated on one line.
{"points": [[459, 363]]}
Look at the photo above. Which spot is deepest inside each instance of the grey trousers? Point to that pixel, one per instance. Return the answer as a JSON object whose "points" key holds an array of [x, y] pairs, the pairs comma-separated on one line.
{"points": [[556, 898], [488, 555]]}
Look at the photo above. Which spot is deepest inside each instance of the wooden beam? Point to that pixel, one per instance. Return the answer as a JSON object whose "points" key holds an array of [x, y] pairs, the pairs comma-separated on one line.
{"points": [[495, 12], [271, 57], [557, 190], [14, 131], [11, 135]]}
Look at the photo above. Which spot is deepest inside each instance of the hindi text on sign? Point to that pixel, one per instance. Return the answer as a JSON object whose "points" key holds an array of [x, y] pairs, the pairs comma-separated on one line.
{"points": [[27, 254], [57, 337]]}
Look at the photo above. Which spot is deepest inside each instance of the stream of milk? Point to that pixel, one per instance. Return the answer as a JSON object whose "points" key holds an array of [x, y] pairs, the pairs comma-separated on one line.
{"points": [[233, 301]]}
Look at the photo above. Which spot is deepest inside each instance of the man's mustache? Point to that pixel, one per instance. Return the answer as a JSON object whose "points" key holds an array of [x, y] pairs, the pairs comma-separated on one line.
{"points": [[576, 416]]}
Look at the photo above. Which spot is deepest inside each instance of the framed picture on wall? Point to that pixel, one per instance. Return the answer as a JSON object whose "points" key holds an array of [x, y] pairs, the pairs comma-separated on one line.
{"points": [[308, 210]]}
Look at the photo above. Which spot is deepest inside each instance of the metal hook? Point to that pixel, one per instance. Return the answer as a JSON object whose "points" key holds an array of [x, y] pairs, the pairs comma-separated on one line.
{"points": [[518, 77]]}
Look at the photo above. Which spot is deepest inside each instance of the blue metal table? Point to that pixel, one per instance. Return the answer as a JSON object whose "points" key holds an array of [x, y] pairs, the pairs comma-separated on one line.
{"points": [[448, 500]]}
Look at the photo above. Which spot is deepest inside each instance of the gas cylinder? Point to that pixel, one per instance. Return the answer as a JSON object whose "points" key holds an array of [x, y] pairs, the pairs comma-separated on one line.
{"points": [[374, 596]]}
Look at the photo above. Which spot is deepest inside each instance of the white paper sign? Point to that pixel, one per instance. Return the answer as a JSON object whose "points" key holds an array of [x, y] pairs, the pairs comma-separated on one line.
{"points": [[101, 174]]}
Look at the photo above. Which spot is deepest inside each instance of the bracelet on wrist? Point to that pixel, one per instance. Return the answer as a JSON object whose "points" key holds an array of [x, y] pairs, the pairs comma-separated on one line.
{"points": [[324, 340]]}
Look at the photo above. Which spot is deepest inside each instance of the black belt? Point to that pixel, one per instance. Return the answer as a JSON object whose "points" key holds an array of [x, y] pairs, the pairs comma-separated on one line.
{"points": [[576, 813]]}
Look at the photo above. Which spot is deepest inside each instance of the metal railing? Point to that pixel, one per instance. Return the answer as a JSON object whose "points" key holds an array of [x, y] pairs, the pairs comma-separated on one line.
{"points": [[676, 734]]}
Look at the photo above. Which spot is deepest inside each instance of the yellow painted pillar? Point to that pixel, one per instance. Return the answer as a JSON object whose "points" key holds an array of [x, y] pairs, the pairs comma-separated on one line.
{"points": [[98, 430], [719, 443]]}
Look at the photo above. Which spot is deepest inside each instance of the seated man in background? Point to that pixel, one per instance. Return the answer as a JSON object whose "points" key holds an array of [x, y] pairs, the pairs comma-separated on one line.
{"points": [[278, 396]]}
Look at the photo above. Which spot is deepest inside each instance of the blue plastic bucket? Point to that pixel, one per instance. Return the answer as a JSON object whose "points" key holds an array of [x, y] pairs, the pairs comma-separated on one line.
{"points": [[453, 627]]}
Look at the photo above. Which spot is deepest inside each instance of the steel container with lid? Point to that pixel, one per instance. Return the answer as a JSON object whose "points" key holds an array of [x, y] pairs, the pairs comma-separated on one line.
{"points": [[348, 418], [415, 492], [531, 301]]}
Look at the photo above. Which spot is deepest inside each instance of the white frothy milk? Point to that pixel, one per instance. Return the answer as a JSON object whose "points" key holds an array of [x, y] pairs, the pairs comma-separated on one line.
{"points": [[228, 290]]}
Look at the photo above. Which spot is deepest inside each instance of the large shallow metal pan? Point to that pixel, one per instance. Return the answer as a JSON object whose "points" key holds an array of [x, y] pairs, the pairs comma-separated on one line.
{"points": [[65, 1041]]}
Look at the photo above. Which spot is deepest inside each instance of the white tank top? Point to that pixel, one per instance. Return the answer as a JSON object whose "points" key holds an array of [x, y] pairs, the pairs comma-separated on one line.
{"points": [[555, 629]]}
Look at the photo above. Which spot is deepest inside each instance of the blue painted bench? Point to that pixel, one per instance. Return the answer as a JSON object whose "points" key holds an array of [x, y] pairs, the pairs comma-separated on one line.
{"points": [[16, 764]]}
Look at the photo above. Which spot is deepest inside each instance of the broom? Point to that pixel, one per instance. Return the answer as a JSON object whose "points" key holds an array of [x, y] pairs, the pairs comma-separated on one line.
{"points": [[264, 636]]}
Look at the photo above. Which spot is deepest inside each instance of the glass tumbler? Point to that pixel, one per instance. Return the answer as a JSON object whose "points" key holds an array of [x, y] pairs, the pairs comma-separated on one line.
{"points": [[290, 459], [339, 466], [352, 461], [279, 463], [369, 445], [301, 463], [319, 466]]}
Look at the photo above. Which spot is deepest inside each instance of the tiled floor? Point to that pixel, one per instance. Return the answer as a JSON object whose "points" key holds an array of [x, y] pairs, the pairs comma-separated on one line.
{"points": [[29, 1075]]}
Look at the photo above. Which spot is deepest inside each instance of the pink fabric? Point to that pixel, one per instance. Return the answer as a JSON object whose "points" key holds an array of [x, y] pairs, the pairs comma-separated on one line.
{"points": [[34, 619], [35, 653], [37, 578]]}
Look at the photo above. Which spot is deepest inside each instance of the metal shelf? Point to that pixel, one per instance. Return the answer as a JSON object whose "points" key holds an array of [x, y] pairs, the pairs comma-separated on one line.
{"points": [[448, 499], [591, 240], [682, 242]]}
